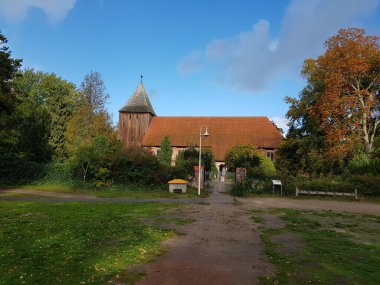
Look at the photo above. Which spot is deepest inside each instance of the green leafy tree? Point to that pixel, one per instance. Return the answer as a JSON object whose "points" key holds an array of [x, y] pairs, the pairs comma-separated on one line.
{"points": [[244, 155], [166, 152], [8, 100], [188, 158], [94, 160], [46, 103], [266, 167]]}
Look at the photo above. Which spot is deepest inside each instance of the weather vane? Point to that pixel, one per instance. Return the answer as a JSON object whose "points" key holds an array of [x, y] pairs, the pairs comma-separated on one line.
{"points": [[141, 76]]}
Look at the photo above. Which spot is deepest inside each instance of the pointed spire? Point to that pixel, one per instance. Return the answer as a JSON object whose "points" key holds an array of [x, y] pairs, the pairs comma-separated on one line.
{"points": [[139, 102]]}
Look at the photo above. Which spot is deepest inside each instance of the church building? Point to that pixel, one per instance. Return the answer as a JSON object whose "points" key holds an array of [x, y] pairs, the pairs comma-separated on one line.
{"points": [[140, 126]]}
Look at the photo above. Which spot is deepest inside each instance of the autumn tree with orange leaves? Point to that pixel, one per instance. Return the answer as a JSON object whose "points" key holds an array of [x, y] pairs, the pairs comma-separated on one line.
{"points": [[349, 106]]}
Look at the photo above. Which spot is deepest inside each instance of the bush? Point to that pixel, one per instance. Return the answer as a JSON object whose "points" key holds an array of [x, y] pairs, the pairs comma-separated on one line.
{"points": [[361, 165], [367, 185], [242, 188], [16, 170], [263, 171]]}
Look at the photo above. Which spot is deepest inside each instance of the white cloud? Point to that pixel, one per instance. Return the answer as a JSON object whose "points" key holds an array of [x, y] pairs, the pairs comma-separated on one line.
{"points": [[17, 10], [281, 122], [190, 63], [251, 59]]}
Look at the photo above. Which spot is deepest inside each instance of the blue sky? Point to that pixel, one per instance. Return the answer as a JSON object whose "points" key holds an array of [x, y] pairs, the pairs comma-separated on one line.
{"points": [[199, 58]]}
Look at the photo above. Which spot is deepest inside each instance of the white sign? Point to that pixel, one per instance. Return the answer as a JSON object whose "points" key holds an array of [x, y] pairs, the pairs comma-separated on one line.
{"points": [[276, 182]]}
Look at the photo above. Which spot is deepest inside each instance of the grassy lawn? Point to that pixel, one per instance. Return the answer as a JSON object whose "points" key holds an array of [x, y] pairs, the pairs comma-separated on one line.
{"points": [[321, 247], [77, 243], [116, 191]]}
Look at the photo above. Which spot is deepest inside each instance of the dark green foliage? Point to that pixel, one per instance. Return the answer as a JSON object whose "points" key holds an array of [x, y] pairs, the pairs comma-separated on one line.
{"points": [[46, 102], [242, 156], [166, 151], [139, 166], [8, 68], [367, 185], [18, 170], [8, 99], [361, 165], [91, 161], [188, 158], [242, 188]]}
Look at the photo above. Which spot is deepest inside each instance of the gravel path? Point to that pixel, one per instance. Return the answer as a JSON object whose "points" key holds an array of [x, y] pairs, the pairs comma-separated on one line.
{"points": [[221, 246]]}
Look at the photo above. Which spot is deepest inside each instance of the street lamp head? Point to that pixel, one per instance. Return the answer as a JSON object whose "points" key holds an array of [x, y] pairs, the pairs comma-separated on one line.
{"points": [[206, 134]]}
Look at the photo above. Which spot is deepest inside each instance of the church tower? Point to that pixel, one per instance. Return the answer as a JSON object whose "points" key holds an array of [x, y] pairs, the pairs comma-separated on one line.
{"points": [[135, 117]]}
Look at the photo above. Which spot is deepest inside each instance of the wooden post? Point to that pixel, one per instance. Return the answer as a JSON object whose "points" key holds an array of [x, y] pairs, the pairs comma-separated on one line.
{"points": [[356, 194], [297, 191]]}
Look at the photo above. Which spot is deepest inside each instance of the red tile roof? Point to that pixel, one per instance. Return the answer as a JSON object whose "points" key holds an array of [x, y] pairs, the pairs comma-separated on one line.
{"points": [[225, 132]]}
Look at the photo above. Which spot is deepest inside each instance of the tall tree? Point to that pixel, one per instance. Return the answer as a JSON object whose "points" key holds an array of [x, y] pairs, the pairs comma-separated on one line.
{"points": [[8, 100], [90, 119], [46, 103], [166, 151], [8, 68], [94, 92], [349, 107]]}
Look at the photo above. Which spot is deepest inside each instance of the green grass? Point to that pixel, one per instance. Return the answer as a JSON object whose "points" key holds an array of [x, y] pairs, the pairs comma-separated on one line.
{"points": [[333, 248], [77, 243], [116, 191]]}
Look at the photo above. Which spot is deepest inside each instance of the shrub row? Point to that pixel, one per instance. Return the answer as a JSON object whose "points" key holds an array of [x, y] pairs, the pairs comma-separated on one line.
{"points": [[17, 170], [367, 185]]}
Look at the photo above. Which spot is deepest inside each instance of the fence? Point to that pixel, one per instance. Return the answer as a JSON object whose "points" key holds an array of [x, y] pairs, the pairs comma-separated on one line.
{"points": [[329, 193]]}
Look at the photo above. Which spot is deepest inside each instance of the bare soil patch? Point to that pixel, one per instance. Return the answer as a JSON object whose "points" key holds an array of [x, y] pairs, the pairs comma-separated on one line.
{"points": [[312, 204], [221, 246]]}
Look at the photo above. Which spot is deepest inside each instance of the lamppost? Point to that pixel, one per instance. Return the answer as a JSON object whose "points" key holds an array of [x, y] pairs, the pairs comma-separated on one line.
{"points": [[205, 134]]}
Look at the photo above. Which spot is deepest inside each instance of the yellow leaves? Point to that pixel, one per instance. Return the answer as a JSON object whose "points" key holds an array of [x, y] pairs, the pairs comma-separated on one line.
{"points": [[99, 268]]}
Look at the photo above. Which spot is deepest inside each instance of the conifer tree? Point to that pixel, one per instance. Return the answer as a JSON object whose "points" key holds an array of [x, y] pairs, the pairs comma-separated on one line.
{"points": [[166, 151]]}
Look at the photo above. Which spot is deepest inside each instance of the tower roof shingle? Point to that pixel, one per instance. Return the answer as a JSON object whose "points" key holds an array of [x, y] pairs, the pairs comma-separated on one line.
{"points": [[139, 102]]}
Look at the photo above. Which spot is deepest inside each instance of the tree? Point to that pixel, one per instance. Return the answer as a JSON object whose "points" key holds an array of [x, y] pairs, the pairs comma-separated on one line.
{"points": [[93, 91], [166, 151], [244, 155], [8, 101], [85, 125], [90, 119], [8, 68], [94, 160], [46, 103], [349, 107]]}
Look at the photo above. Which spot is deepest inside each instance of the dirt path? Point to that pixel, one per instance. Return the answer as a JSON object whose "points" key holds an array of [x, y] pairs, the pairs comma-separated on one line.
{"points": [[46, 196], [313, 204], [221, 247]]}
